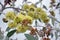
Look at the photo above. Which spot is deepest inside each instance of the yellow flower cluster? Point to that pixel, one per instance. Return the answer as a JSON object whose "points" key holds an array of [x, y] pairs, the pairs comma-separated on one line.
{"points": [[21, 20], [36, 13]]}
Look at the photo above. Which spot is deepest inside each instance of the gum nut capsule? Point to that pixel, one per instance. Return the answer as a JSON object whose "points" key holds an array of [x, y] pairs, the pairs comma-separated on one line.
{"points": [[32, 8], [10, 15], [29, 18], [30, 13], [21, 29], [17, 20], [12, 24], [25, 6]]}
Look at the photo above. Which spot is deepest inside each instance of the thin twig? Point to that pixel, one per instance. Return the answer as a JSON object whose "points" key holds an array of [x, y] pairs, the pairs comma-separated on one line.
{"points": [[1, 4]]}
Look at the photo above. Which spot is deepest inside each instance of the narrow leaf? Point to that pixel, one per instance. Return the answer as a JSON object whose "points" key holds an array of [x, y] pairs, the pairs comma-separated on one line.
{"points": [[30, 37], [36, 23], [53, 21], [7, 29], [9, 34], [37, 3], [6, 38], [40, 0], [44, 7], [52, 35], [0, 13], [58, 5], [56, 35], [52, 13]]}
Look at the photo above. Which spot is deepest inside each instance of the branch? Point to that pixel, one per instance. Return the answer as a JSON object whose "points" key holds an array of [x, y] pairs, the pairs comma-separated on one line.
{"points": [[1, 4], [17, 9]]}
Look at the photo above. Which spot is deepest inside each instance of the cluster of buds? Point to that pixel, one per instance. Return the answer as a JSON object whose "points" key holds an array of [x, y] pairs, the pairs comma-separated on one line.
{"points": [[33, 31], [44, 33]]}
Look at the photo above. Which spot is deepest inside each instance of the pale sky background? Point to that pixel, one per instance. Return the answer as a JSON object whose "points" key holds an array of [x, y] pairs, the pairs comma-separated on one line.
{"points": [[18, 2]]}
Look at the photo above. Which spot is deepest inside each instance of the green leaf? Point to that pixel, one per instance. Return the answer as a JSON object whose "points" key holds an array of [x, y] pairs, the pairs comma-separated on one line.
{"points": [[53, 22], [44, 7], [9, 34], [36, 23], [36, 37], [30, 37], [6, 38], [59, 24], [56, 36], [0, 13], [7, 29], [58, 5]]}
